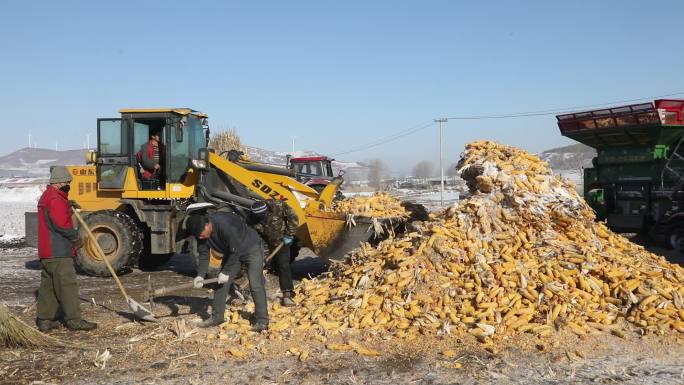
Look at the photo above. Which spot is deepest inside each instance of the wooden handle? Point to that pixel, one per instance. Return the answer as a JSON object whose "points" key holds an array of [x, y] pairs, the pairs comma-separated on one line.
{"points": [[280, 246], [184, 286], [101, 254]]}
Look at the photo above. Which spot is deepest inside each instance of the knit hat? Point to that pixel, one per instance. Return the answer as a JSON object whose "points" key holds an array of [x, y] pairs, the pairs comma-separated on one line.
{"points": [[259, 211], [258, 207], [195, 224], [59, 174]]}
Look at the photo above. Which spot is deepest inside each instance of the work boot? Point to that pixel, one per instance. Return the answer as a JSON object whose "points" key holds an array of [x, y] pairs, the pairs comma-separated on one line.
{"points": [[287, 300], [80, 324], [260, 326], [209, 322], [45, 325]]}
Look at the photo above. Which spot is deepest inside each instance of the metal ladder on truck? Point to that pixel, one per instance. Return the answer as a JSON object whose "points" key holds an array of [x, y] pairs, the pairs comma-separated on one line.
{"points": [[679, 175]]}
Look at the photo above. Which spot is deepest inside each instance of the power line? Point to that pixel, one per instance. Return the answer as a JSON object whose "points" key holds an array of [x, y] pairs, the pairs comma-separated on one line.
{"points": [[555, 111], [389, 138]]}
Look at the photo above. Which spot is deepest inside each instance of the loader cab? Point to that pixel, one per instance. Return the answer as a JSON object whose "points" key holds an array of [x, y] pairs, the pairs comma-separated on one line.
{"points": [[182, 133]]}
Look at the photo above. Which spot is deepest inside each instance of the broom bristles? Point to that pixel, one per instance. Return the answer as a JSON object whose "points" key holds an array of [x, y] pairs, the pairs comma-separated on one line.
{"points": [[16, 333]]}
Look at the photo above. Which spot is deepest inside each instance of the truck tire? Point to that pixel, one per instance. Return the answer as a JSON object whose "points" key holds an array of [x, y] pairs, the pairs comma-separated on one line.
{"points": [[676, 237], [119, 238]]}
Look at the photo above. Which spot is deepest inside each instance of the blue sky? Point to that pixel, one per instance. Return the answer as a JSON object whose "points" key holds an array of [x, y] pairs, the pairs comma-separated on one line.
{"points": [[336, 75]]}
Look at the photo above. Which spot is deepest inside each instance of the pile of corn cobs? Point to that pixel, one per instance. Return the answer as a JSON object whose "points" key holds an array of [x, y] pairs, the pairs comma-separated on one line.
{"points": [[521, 255]]}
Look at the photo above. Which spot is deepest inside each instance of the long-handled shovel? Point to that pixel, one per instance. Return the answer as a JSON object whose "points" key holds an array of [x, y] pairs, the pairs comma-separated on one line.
{"points": [[152, 294], [270, 256], [139, 311]]}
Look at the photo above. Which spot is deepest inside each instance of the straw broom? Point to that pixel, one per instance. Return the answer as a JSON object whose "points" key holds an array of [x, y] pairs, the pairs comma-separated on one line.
{"points": [[16, 333]]}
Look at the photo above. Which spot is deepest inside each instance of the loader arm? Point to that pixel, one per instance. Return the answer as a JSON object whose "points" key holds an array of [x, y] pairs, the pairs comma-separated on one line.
{"points": [[273, 186], [324, 231]]}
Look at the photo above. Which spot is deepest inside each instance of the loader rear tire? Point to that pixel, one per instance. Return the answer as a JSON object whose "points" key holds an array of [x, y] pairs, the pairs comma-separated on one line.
{"points": [[119, 238]]}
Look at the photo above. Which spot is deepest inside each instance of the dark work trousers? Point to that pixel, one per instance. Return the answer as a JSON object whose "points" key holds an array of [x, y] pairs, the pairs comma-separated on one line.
{"points": [[58, 288], [281, 263], [254, 260]]}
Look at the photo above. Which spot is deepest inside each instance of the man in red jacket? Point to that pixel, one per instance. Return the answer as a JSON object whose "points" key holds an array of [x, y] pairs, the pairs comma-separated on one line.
{"points": [[151, 157], [57, 244]]}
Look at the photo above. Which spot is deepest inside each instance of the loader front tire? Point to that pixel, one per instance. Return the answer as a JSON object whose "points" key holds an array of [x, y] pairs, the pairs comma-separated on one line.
{"points": [[120, 240]]}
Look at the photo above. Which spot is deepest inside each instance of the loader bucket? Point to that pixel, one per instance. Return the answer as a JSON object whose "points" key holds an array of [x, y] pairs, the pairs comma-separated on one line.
{"points": [[332, 236]]}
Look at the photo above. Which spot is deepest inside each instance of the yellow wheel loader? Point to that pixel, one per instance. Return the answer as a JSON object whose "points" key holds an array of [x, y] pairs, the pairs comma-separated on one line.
{"points": [[140, 223]]}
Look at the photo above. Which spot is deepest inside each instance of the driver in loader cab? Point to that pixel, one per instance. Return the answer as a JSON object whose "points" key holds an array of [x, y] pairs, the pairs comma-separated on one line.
{"points": [[226, 236], [150, 157]]}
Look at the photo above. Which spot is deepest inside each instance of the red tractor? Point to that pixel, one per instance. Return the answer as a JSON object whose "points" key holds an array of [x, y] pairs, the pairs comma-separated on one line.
{"points": [[314, 171]]}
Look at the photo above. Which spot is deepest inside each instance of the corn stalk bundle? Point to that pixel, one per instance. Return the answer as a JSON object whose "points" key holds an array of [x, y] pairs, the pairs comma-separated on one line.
{"points": [[225, 141]]}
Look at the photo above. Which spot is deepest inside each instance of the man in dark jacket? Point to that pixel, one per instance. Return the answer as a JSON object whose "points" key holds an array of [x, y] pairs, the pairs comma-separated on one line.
{"points": [[57, 244], [280, 226], [151, 157], [227, 237]]}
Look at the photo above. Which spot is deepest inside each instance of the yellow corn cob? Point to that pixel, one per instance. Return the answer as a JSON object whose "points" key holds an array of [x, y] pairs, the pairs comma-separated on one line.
{"points": [[237, 353], [339, 347]]}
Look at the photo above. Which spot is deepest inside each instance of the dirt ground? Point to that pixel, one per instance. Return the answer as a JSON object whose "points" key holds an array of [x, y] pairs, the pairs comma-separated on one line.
{"points": [[152, 353]]}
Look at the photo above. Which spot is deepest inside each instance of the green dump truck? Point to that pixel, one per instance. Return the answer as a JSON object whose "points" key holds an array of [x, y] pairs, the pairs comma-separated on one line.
{"points": [[636, 183]]}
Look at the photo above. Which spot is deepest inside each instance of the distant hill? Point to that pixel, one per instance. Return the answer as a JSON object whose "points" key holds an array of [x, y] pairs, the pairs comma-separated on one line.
{"points": [[573, 157], [36, 162]]}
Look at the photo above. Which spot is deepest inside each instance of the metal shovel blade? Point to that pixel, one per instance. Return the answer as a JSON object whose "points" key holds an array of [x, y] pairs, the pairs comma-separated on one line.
{"points": [[140, 312]]}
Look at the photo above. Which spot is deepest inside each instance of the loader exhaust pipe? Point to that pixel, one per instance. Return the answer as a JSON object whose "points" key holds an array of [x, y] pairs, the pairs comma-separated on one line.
{"points": [[246, 202], [268, 169]]}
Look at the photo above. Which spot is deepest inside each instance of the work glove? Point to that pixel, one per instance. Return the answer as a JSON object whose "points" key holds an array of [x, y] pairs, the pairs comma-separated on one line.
{"points": [[222, 278], [74, 205], [198, 282], [287, 240]]}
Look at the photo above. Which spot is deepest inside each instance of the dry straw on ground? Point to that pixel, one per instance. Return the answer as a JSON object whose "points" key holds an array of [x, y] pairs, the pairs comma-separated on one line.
{"points": [[16, 333]]}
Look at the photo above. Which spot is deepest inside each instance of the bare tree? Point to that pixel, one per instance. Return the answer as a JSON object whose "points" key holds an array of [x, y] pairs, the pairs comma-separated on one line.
{"points": [[377, 171], [424, 169]]}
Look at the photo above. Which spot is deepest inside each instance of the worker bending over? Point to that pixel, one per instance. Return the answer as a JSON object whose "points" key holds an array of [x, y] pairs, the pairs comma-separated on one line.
{"points": [[227, 237]]}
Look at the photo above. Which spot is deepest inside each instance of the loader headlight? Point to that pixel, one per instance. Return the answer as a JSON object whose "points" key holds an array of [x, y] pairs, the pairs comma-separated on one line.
{"points": [[199, 163]]}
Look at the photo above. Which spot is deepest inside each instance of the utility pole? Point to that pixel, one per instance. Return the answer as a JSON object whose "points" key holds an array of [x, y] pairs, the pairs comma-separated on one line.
{"points": [[441, 160], [56, 145], [88, 140], [29, 139], [293, 147]]}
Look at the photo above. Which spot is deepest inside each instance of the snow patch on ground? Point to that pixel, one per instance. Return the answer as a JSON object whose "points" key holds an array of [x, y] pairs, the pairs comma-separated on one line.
{"points": [[12, 219], [21, 194], [358, 194], [14, 202]]}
